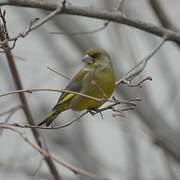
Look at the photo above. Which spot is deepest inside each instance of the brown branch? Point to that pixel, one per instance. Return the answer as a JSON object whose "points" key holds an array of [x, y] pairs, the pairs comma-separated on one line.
{"points": [[60, 74], [96, 85], [10, 113], [130, 102], [48, 17], [162, 15], [36, 173], [34, 24], [21, 91], [99, 14], [26, 109], [49, 128], [11, 110], [138, 84], [45, 153], [83, 32], [139, 67], [118, 8]]}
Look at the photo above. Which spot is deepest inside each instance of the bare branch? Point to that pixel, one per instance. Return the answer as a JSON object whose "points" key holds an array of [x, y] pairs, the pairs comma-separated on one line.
{"points": [[131, 103], [22, 97], [143, 62], [49, 128], [138, 84], [55, 90], [162, 15], [48, 17], [60, 74], [34, 24], [99, 14], [119, 6], [74, 169], [140, 66], [96, 85], [11, 110], [37, 171], [10, 113], [83, 32]]}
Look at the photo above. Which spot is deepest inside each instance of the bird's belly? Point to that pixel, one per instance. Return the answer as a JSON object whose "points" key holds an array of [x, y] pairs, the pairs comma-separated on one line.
{"points": [[102, 89]]}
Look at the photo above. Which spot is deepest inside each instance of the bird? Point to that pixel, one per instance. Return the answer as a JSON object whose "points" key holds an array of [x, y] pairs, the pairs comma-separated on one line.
{"points": [[96, 79]]}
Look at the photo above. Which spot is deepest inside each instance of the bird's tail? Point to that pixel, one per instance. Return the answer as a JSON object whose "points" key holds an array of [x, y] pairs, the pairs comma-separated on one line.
{"points": [[51, 116]]}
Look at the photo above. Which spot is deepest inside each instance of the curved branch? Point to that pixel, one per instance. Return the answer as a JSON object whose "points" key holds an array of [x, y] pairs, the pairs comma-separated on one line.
{"points": [[22, 97], [46, 154], [97, 13], [55, 90]]}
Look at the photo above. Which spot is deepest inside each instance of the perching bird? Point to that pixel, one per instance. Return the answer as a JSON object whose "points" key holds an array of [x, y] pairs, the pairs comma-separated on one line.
{"points": [[96, 78]]}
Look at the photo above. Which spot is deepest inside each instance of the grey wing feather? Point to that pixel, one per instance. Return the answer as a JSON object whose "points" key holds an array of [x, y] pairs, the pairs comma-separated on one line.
{"points": [[72, 86]]}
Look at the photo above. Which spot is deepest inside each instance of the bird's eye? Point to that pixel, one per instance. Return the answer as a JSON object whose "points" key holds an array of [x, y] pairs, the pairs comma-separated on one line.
{"points": [[94, 55]]}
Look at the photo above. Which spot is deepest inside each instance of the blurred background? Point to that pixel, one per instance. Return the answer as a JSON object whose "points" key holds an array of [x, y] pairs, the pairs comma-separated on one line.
{"points": [[112, 147]]}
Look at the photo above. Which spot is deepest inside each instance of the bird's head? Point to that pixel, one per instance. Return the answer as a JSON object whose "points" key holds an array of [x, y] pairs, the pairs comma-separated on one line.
{"points": [[96, 57]]}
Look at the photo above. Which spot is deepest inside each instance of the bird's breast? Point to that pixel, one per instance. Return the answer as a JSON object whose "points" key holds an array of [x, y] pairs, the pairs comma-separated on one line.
{"points": [[105, 79], [99, 84]]}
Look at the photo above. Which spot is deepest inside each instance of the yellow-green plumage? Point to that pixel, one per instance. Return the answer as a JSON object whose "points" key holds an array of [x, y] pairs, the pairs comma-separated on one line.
{"points": [[96, 78]]}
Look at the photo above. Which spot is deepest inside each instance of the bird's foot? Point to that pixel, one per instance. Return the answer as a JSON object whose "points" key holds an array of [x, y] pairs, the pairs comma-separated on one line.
{"points": [[94, 111]]}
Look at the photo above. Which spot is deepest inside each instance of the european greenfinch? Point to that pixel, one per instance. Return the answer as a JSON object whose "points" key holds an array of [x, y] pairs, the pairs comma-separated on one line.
{"points": [[96, 79]]}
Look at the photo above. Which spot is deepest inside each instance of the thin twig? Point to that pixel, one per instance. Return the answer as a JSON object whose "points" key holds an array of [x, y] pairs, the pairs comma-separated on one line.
{"points": [[82, 32], [98, 14], [67, 91], [138, 84], [37, 171], [130, 102], [47, 18], [34, 24], [143, 62], [55, 90], [74, 169], [11, 110], [168, 163], [118, 8], [49, 128], [162, 15], [140, 66], [94, 83], [22, 97], [60, 74], [10, 113]]}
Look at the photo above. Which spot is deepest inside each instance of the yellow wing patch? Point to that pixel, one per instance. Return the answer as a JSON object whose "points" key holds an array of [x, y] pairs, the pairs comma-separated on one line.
{"points": [[66, 98], [50, 113]]}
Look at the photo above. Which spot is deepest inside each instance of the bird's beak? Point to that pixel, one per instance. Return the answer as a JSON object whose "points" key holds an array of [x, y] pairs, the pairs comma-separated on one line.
{"points": [[87, 59]]}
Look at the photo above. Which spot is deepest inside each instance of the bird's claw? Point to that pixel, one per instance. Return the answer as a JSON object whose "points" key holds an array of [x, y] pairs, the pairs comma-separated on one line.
{"points": [[93, 111]]}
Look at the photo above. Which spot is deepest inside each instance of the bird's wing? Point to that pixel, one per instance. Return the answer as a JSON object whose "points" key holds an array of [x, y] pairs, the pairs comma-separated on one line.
{"points": [[75, 85]]}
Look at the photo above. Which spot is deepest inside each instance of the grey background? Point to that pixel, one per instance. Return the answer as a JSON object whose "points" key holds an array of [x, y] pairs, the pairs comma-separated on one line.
{"points": [[117, 148]]}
